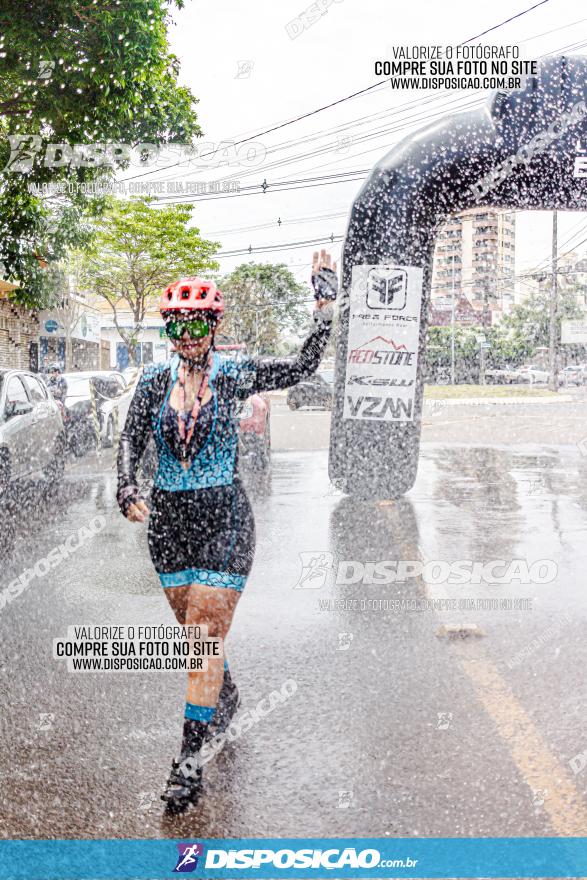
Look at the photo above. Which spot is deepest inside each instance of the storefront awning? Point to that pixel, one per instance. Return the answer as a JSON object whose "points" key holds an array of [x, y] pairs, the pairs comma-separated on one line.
{"points": [[6, 287]]}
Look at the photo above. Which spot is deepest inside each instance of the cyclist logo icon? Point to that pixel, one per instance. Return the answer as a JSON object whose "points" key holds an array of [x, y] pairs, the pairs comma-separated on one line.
{"points": [[315, 568], [187, 860]]}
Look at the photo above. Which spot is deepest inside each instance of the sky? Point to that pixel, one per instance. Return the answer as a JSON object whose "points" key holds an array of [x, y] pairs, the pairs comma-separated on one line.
{"points": [[250, 75]]}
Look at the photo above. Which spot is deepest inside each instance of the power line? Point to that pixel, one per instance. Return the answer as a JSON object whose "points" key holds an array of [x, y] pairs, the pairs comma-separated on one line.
{"points": [[339, 100], [553, 30], [470, 101], [507, 21], [393, 111], [277, 127], [299, 220], [280, 247], [278, 186], [543, 264], [276, 223], [407, 123]]}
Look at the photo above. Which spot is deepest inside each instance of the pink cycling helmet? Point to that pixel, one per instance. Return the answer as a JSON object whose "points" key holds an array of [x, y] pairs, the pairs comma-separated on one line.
{"points": [[192, 294]]}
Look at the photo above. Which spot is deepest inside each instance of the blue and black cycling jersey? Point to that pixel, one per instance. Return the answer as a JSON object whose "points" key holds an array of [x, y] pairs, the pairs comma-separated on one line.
{"points": [[230, 381]]}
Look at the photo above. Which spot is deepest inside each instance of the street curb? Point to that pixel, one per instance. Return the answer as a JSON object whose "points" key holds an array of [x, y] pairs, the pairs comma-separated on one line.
{"points": [[492, 401]]}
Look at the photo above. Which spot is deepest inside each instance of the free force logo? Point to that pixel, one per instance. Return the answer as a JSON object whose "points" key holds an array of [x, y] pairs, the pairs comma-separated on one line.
{"points": [[383, 343], [387, 288], [187, 859]]}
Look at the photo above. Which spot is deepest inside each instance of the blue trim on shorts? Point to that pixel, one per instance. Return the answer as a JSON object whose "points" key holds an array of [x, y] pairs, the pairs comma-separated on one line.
{"points": [[203, 576]]}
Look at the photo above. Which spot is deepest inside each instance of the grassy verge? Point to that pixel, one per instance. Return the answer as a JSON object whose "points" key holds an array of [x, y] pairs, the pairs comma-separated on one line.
{"points": [[443, 392]]}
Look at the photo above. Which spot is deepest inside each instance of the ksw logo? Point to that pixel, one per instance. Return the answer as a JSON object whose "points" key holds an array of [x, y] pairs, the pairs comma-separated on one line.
{"points": [[387, 288], [380, 380]]}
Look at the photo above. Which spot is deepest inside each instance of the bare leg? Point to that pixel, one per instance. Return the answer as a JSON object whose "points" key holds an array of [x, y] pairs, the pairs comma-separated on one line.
{"points": [[214, 608]]}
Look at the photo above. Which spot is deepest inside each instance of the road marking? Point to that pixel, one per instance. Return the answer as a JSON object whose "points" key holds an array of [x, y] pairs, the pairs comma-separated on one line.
{"points": [[563, 804]]}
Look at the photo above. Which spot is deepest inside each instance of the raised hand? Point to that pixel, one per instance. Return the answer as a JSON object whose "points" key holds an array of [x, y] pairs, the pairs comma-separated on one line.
{"points": [[324, 279]]}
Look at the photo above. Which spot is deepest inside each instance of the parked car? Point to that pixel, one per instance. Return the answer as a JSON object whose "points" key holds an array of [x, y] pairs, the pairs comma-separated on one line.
{"points": [[574, 374], [32, 434], [534, 374], [255, 433], [504, 376], [254, 420], [113, 397], [316, 391]]}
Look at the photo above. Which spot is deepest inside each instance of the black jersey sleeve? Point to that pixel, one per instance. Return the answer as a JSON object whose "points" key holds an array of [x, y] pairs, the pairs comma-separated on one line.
{"points": [[134, 437], [268, 374]]}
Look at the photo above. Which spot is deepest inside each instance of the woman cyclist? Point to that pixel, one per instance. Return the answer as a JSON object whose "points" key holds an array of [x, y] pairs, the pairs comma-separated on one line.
{"points": [[201, 531]]}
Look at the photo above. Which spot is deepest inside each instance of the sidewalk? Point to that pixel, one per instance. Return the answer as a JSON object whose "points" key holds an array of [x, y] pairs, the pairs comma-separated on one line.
{"points": [[491, 401]]}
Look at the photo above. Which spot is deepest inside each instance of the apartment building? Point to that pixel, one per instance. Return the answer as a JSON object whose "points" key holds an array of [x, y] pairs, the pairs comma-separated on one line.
{"points": [[474, 259]]}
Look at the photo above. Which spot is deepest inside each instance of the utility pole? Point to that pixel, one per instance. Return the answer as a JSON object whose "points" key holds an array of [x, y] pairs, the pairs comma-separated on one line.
{"points": [[485, 322], [552, 325], [452, 326]]}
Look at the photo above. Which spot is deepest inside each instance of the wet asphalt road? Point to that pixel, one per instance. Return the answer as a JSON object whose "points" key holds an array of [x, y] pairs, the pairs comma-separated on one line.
{"points": [[392, 731]]}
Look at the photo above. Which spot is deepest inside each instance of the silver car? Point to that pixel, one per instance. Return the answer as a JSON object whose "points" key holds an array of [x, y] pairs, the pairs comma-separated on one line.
{"points": [[112, 396], [32, 436]]}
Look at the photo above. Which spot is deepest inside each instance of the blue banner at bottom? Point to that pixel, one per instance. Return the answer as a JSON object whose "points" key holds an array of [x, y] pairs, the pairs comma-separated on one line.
{"points": [[293, 858]]}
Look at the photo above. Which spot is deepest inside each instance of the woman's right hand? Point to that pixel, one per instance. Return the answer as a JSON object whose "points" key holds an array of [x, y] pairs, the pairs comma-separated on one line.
{"points": [[324, 279], [137, 511]]}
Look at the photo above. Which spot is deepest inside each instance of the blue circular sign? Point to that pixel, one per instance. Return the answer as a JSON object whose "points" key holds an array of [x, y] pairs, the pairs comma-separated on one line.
{"points": [[51, 326]]}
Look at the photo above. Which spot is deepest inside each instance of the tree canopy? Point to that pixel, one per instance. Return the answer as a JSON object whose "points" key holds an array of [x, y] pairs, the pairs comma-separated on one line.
{"points": [[76, 72], [264, 300], [512, 342], [136, 251]]}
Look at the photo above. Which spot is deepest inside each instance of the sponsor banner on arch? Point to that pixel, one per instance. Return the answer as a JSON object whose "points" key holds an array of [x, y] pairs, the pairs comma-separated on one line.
{"points": [[382, 355]]}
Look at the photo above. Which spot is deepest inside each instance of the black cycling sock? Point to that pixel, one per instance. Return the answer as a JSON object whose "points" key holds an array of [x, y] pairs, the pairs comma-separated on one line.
{"points": [[194, 734]]}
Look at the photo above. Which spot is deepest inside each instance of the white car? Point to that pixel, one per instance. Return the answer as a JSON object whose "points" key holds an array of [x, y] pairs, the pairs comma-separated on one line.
{"points": [[572, 375], [534, 374], [112, 397], [32, 436]]}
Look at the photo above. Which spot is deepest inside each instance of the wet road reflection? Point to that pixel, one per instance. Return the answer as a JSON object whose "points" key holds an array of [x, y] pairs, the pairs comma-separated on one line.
{"points": [[392, 729]]}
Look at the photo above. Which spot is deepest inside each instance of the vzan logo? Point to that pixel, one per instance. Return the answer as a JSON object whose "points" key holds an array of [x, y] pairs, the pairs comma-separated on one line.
{"points": [[380, 408], [387, 288]]}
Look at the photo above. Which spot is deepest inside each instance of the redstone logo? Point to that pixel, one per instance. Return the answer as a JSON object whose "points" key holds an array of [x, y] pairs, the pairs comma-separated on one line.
{"points": [[368, 353]]}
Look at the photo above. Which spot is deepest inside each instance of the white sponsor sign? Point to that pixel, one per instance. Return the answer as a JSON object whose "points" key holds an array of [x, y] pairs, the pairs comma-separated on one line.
{"points": [[382, 356], [574, 332], [87, 326]]}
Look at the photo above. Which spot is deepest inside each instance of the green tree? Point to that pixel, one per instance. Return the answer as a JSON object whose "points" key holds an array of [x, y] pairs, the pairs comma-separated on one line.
{"points": [[511, 342], [76, 72], [438, 353], [136, 251], [528, 323], [264, 300]]}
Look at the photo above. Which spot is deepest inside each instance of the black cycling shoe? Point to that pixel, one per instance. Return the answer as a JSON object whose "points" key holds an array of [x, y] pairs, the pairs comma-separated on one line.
{"points": [[228, 703], [182, 791]]}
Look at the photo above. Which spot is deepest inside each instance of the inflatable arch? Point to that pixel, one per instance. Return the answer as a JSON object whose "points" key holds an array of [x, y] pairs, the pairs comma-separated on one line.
{"points": [[524, 149]]}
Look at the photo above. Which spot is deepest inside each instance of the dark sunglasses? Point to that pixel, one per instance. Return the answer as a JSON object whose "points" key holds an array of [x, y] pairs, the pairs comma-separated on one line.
{"points": [[196, 328]]}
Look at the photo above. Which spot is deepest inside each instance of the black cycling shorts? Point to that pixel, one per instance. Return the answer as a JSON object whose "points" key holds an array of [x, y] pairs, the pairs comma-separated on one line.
{"points": [[203, 536]]}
